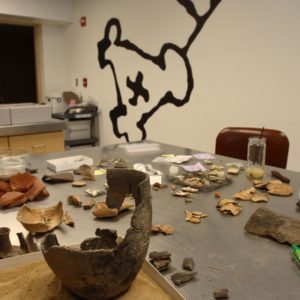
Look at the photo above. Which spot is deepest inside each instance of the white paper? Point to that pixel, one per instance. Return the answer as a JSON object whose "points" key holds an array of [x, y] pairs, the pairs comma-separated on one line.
{"points": [[204, 156], [148, 169], [155, 179], [238, 164], [178, 159], [140, 147], [194, 168]]}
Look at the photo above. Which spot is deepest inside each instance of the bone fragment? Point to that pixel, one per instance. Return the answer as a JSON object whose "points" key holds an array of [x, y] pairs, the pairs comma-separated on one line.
{"points": [[67, 219], [163, 228], [88, 203], [79, 183], [101, 210], [228, 206], [181, 277], [194, 216], [221, 293], [74, 200], [188, 264], [281, 228]]}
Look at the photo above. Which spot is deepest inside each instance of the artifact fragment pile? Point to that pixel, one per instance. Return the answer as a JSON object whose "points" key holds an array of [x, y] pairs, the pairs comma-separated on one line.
{"points": [[21, 188]]}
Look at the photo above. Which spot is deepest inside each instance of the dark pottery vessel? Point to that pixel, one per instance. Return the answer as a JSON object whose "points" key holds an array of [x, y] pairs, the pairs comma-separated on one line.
{"points": [[105, 267], [6, 248]]}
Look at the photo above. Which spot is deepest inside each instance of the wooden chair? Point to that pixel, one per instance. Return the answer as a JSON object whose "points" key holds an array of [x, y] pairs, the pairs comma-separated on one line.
{"points": [[233, 142]]}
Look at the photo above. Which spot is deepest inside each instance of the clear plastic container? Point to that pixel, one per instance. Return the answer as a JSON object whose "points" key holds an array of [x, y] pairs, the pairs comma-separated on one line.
{"points": [[13, 161]]}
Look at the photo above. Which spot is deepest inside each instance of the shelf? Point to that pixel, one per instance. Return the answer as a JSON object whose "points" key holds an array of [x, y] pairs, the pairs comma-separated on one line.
{"points": [[81, 142], [74, 127], [73, 117]]}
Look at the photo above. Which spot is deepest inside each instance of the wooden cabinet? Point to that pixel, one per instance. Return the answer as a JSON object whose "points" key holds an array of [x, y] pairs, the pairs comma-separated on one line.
{"points": [[3, 141], [39, 142]]}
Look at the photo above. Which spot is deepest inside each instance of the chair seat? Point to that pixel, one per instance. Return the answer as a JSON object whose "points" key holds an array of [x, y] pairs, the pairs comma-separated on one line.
{"points": [[233, 142]]}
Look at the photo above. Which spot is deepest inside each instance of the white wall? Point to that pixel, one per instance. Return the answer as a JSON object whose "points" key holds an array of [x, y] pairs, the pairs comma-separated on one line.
{"points": [[53, 59], [245, 66]]}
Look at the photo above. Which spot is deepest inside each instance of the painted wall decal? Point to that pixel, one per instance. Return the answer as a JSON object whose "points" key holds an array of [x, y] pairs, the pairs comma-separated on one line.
{"points": [[142, 92], [137, 89]]}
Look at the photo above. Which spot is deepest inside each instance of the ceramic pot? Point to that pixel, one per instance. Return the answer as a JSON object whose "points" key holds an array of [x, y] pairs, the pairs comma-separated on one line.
{"points": [[105, 267]]}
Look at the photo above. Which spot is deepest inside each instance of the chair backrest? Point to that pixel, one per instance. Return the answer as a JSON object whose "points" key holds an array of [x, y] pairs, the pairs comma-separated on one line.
{"points": [[233, 142]]}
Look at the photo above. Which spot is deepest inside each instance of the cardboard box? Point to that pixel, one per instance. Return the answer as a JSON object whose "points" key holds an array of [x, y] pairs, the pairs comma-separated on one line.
{"points": [[157, 277], [68, 163]]}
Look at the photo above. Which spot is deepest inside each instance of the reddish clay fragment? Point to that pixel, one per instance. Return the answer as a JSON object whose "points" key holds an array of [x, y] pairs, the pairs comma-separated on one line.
{"points": [[44, 193], [36, 189], [10, 199], [4, 187], [21, 182]]}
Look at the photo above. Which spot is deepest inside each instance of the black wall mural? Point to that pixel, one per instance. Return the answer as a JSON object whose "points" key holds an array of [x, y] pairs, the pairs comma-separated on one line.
{"points": [[142, 92]]}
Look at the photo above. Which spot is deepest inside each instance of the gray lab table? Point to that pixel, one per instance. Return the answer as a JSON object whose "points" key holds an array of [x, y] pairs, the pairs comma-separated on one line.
{"points": [[225, 256]]}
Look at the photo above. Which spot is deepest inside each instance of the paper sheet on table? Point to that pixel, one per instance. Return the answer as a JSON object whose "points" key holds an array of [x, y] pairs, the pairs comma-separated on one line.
{"points": [[238, 164], [154, 179], [178, 159], [147, 168], [140, 147], [204, 156], [100, 172], [194, 168]]}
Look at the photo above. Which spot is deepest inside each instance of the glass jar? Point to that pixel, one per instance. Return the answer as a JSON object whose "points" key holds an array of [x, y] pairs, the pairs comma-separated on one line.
{"points": [[256, 155]]}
